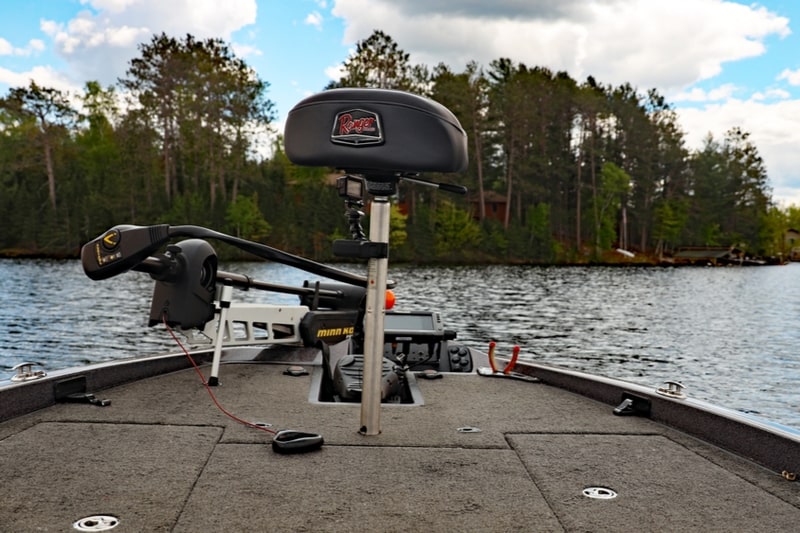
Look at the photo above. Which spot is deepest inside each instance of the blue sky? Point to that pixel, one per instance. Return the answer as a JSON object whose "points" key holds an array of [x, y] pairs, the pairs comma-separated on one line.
{"points": [[720, 63]]}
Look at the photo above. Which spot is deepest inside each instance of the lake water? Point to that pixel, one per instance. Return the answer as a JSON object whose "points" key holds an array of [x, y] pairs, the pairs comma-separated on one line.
{"points": [[730, 335]]}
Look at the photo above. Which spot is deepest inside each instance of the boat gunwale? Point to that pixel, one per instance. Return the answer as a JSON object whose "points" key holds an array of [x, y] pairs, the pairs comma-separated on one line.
{"points": [[772, 445]]}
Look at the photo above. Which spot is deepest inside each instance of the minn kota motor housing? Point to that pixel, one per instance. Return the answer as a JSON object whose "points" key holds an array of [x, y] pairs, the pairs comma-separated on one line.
{"points": [[184, 293]]}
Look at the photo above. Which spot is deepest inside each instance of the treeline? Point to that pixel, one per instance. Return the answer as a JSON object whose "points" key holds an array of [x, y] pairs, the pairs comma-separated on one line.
{"points": [[560, 171]]}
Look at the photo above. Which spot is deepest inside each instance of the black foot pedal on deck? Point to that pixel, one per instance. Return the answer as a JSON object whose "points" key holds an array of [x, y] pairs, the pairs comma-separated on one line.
{"points": [[290, 441]]}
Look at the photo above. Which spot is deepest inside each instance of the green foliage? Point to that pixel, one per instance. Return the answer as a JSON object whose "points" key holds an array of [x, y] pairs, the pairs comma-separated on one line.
{"points": [[190, 209], [607, 202], [773, 230], [792, 214], [670, 220], [495, 241], [456, 231], [244, 219], [540, 234], [397, 227], [50, 115], [556, 168], [379, 62], [204, 105]]}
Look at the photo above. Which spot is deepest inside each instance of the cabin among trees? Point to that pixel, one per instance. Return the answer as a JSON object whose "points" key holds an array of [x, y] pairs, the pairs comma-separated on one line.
{"points": [[791, 241], [494, 203]]}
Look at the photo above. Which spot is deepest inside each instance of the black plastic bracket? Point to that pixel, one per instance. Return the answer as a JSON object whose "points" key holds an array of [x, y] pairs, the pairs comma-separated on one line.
{"points": [[633, 405], [86, 398], [360, 249], [73, 390]]}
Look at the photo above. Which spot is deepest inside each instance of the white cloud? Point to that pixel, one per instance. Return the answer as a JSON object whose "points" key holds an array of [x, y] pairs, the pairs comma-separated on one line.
{"points": [[100, 40], [668, 45], [314, 19], [771, 94], [50, 27], [112, 6], [723, 92], [44, 76], [773, 130], [33, 46], [336, 72], [791, 76], [245, 51], [37, 45]]}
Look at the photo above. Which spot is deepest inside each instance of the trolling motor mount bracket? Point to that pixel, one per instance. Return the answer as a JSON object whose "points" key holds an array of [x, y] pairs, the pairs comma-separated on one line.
{"points": [[360, 249]]}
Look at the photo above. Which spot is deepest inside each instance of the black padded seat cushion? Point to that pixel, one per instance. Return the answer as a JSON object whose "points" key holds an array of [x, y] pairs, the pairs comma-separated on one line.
{"points": [[375, 131]]}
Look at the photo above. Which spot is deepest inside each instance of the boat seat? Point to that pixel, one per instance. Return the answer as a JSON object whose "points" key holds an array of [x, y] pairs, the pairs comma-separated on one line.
{"points": [[375, 132]]}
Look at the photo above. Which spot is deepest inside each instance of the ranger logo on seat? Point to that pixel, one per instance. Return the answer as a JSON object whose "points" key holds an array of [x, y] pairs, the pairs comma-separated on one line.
{"points": [[357, 127]]}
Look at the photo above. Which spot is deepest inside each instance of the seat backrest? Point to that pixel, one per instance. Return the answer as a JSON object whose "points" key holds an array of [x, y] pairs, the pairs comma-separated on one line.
{"points": [[375, 131]]}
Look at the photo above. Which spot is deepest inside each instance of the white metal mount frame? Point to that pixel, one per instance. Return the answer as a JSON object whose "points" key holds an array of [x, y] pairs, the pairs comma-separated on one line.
{"points": [[248, 324]]}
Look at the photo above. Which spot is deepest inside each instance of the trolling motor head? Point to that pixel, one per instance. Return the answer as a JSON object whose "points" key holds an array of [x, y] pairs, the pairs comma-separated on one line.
{"points": [[121, 248]]}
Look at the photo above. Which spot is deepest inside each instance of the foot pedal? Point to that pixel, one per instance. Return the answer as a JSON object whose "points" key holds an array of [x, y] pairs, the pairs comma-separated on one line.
{"points": [[290, 441]]}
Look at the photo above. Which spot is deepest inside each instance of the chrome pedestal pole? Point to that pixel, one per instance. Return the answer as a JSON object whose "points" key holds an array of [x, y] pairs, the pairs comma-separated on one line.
{"points": [[377, 274]]}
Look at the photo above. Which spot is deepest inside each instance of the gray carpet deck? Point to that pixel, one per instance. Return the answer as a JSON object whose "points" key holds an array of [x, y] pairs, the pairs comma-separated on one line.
{"points": [[161, 457]]}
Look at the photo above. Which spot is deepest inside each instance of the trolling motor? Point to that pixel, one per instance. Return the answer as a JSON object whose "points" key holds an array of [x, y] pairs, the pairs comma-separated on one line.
{"points": [[190, 290], [378, 137]]}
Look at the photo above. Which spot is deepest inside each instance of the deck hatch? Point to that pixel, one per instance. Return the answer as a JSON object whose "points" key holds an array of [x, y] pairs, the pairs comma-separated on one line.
{"points": [[676, 485], [139, 473]]}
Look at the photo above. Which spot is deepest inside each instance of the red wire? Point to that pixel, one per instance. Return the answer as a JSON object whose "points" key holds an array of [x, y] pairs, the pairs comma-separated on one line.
{"points": [[208, 387]]}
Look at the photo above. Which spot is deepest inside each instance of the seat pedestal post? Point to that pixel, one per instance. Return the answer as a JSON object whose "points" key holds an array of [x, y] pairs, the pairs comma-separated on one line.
{"points": [[377, 275]]}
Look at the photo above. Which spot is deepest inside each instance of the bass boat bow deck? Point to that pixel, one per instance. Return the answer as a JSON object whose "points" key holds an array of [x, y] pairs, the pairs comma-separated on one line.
{"points": [[339, 415]]}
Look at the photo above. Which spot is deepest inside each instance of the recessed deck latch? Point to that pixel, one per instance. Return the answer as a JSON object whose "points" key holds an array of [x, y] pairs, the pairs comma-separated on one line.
{"points": [[73, 390]]}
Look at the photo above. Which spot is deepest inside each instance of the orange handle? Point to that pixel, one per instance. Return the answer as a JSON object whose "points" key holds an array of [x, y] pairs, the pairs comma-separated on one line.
{"points": [[491, 356], [511, 364]]}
